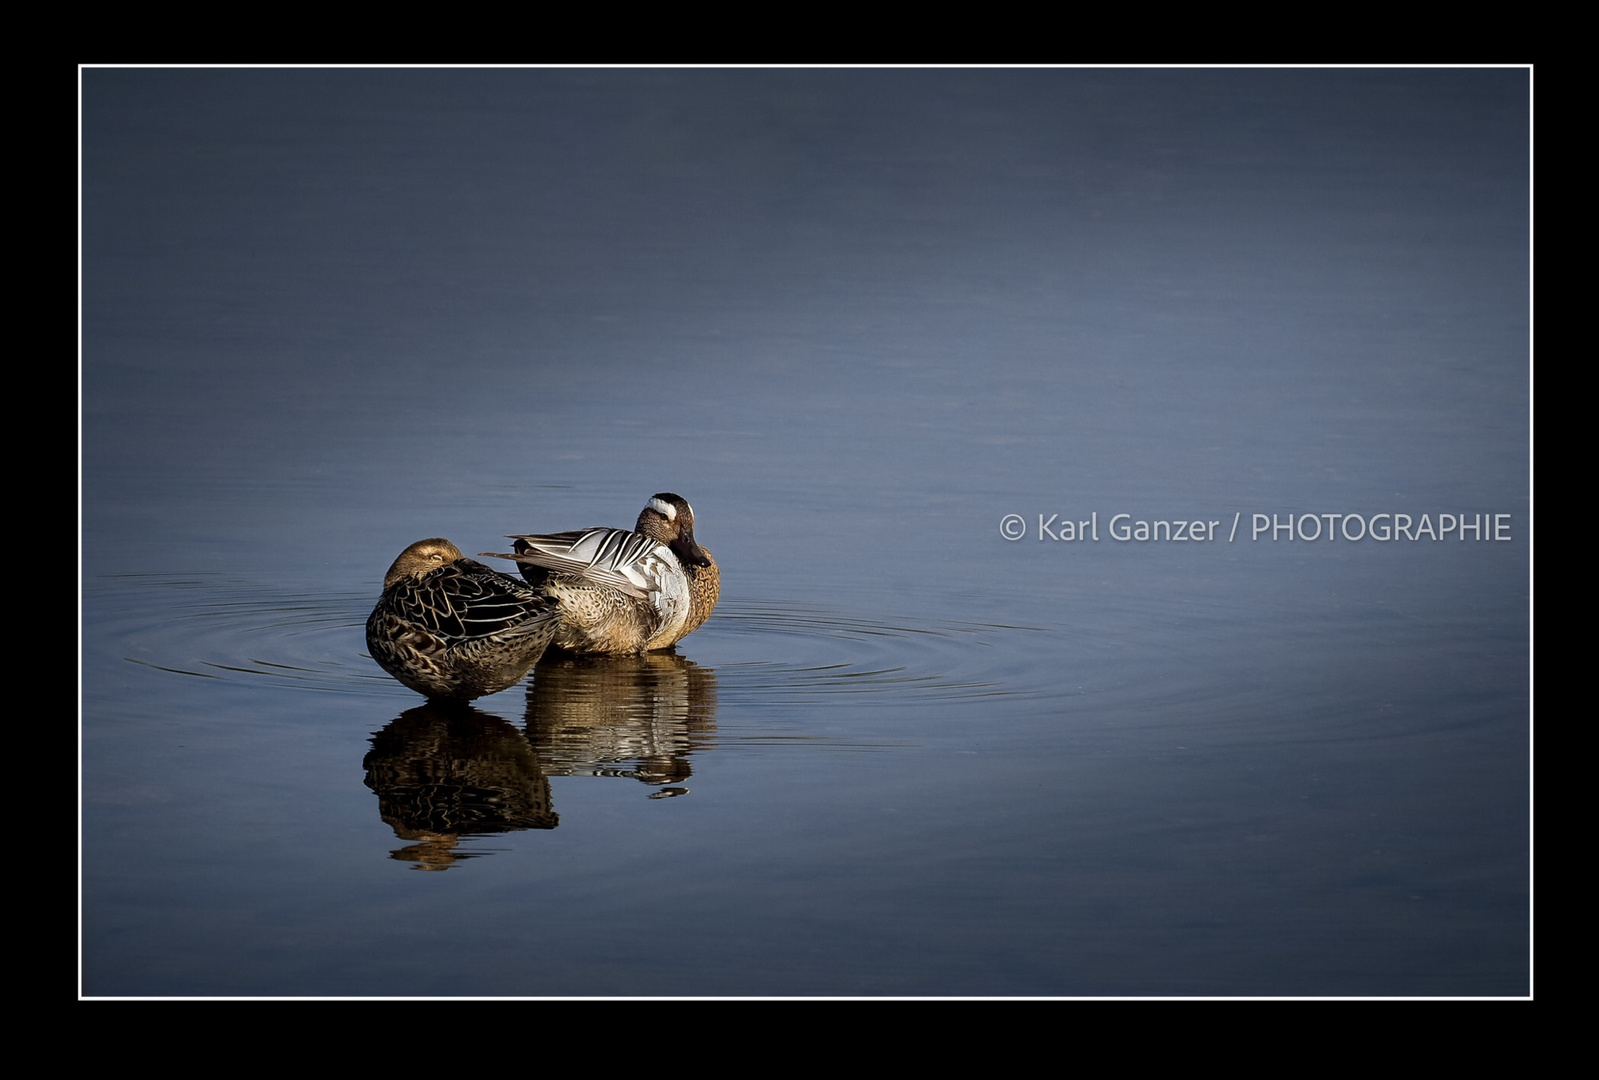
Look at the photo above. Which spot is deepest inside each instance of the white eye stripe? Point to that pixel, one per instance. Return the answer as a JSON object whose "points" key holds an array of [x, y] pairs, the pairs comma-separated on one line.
{"points": [[664, 508]]}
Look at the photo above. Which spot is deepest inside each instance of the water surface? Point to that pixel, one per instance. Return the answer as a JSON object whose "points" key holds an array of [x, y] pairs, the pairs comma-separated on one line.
{"points": [[856, 318]]}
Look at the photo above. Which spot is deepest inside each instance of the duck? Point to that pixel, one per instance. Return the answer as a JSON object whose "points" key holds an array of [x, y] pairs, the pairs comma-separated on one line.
{"points": [[453, 629], [623, 593]]}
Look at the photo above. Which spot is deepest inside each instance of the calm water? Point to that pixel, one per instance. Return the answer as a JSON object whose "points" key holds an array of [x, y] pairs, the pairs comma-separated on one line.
{"points": [[857, 318]]}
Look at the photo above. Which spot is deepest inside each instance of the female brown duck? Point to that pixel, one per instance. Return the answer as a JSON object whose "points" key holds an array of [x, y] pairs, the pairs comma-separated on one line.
{"points": [[450, 627]]}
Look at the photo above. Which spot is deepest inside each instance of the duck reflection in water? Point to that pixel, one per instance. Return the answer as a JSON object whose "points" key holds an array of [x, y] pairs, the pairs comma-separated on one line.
{"points": [[639, 716], [446, 772]]}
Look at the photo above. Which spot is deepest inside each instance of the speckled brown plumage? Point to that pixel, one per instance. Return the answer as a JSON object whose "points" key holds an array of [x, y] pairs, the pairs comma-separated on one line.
{"points": [[449, 627]]}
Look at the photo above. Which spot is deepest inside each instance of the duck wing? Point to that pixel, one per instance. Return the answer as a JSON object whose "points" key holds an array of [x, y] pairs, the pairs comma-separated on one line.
{"points": [[467, 602], [629, 562]]}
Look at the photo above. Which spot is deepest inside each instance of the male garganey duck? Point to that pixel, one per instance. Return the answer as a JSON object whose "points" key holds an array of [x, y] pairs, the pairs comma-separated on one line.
{"points": [[450, 627], [621, 592]]}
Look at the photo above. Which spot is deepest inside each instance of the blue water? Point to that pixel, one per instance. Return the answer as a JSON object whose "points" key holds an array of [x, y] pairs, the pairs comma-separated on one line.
{"points": [[856, 318]]}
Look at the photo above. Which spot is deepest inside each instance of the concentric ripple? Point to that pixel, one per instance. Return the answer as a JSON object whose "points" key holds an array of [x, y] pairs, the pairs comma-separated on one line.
{"points": [[784, 651], [217, 627], [762, 650]]}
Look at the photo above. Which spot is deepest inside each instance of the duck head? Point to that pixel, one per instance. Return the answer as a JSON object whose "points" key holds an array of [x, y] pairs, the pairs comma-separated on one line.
{"points": [[669, 519]]}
